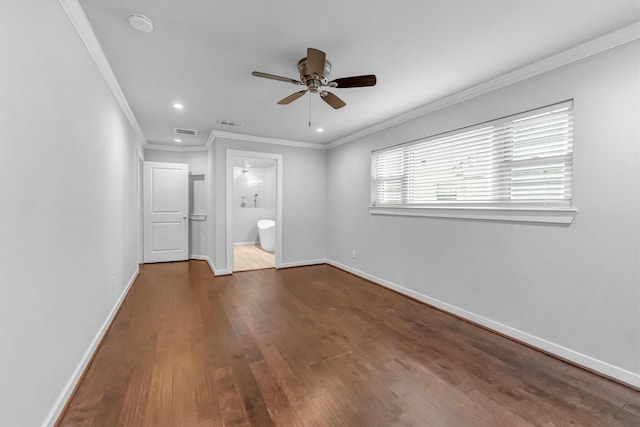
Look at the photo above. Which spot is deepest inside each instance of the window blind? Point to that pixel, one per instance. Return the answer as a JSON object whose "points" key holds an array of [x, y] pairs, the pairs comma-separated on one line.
{"points": [[520, 160]]}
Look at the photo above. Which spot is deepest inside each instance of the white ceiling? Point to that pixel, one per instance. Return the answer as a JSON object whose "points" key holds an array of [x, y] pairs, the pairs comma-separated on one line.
{"points": [[202, 52]]}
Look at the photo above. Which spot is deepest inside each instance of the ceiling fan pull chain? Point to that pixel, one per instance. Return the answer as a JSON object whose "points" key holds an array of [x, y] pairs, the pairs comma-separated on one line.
{"points": [[309, 110]]}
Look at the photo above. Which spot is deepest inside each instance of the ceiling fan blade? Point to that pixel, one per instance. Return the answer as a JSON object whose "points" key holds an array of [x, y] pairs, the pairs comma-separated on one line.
{"points": [[289, 99], [355, 81], [315, 61], [274, 77], [332, 100]]}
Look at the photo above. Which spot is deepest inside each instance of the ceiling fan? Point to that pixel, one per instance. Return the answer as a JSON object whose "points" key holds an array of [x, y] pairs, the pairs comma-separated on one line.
{"points": [[314, 74]]}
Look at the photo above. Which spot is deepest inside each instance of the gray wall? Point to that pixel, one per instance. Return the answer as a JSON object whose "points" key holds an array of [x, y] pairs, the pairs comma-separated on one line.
{"points": [[304, 200], [68, 222], [198, 165], [573, 289]]}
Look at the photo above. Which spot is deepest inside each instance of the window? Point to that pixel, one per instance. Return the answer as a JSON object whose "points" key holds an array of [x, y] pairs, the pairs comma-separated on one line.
{"points": [[521, 161]]}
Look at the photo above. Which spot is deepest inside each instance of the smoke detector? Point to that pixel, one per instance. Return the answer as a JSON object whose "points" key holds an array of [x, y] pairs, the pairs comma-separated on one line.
{"points": [[141, 23]]}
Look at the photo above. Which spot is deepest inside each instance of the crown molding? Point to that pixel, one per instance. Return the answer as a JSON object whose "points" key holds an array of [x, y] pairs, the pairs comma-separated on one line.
{"points": [[214, 134], [600, 44], [205, 147], [265, 140], [584, 50], [210, 139], [80, 22], [159, 147]]}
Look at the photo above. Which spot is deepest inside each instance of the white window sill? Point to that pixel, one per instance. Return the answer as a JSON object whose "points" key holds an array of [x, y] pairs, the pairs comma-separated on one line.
{"points": [[530, 215]]}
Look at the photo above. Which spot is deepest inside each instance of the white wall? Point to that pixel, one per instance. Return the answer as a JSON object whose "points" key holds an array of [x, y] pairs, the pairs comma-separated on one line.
{"points": [[572, 289], [69, 206], [198, 166], [197, 160], [304, 200]]}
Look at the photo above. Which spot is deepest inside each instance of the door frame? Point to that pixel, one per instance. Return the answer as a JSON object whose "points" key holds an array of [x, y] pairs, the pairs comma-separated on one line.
{"points": [[140, 195], [231, 154]]}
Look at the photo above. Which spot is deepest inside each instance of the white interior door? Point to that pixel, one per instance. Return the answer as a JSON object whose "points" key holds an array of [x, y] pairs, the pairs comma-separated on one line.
{"points": [[166, 212]]}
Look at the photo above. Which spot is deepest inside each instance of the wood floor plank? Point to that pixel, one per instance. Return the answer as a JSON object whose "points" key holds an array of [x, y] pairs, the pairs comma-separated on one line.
{"points": [[233, 413], [280, 409], [316, 346], [207, 404]]}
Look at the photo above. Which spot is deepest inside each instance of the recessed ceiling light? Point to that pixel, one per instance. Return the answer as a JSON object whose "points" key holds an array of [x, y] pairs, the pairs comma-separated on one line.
{"points": [[141, 23], [319, 130], [178, 106], [177, 140]]}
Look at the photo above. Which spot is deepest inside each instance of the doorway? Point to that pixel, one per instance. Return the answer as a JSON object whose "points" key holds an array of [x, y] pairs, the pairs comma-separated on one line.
{"points": [[254, 210]]}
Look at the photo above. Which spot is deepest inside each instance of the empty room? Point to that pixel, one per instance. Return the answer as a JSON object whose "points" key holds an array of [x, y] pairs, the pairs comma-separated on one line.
{"points": [[252, 213]]}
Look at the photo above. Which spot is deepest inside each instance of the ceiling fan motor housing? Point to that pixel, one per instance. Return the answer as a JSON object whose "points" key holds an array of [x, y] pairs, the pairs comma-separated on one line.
{"points": [[313, 81]]}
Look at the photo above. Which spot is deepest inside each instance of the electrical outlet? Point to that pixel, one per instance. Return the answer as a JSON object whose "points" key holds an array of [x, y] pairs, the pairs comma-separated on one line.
{"points": [[353, 254]]}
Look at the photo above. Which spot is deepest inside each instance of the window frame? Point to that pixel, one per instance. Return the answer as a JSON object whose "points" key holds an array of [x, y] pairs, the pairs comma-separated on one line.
{"points": [[558, 211]]}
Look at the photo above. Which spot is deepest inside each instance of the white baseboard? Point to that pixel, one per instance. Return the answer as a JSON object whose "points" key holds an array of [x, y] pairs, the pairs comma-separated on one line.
{"points": [[573, 356], [55, 412], [245, 243], [216, 271], [302, 263], [225, 272]]}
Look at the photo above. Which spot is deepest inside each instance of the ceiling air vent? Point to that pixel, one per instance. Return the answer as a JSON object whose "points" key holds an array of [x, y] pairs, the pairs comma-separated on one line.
{"points": [[182, 131], [230, 123]]}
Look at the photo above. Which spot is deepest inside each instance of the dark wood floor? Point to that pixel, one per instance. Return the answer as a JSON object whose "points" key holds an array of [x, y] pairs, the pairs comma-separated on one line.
{"points": [[315, 346]]}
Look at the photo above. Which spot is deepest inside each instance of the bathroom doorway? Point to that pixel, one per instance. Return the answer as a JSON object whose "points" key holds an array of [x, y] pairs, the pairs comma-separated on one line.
{"points": [[254, 203]]}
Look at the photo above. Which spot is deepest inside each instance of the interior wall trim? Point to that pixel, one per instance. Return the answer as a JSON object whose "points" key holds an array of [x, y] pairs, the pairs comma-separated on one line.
{"points": [[584, 50], [265, 140], [303, 263], [592, 47], [214, 270], [80, 22], [69, 388], [228, 202], [205, 147], [159, 147], [582, 360], [237, 137]]}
